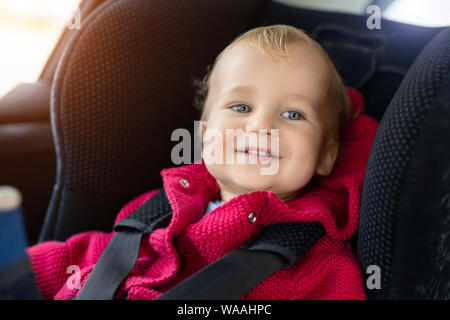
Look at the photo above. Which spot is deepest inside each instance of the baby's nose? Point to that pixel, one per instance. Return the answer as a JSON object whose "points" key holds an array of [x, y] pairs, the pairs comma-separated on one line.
{"points": [[259, 123]]}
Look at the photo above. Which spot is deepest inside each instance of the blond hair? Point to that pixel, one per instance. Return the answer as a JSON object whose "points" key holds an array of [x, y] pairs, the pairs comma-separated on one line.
{"points": [[272, 41]]}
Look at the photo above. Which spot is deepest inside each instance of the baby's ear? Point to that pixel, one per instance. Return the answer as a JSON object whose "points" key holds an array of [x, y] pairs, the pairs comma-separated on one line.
{"points": [[202, 128], [328, 158]]}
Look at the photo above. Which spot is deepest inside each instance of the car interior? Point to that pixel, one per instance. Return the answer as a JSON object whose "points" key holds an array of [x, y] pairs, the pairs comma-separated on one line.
{"points": [[94, 131]]}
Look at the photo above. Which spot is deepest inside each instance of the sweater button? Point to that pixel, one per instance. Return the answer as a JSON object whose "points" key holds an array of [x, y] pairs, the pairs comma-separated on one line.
{"points": [[184, 183], [252, 217]]}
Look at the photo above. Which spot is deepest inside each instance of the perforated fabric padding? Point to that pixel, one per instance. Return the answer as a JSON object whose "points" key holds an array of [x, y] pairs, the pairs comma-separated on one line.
{"points": [[123, 85], [126, 89], [392, 151]]}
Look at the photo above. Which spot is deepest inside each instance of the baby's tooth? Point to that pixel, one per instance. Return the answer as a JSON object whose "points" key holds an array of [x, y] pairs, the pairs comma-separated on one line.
{"points": [[259, 153]]}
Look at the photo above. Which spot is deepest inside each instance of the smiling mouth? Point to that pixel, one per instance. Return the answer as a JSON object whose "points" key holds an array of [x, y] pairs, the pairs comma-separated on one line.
{"points": [[258, 153]]}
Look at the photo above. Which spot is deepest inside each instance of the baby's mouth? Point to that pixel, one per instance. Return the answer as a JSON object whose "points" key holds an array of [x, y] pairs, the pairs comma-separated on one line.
{"points": [[258, 153]]}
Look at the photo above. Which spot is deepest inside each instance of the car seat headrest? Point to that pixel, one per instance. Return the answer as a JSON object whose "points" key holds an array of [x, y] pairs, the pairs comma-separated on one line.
{"points": [[405, 208], [355, 54]]}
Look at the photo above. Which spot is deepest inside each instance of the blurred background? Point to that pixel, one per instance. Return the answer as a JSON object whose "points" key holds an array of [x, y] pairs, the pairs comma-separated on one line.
{"points": [[29, 30]]}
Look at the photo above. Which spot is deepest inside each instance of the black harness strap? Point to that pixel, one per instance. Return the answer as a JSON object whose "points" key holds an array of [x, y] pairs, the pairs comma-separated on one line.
{"points": [[277, 246], [235, 274], [119, 257]]}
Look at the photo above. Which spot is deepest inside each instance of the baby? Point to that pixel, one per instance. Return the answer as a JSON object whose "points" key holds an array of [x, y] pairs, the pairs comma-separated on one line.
{"points": [[274, 81], [274, 78]]}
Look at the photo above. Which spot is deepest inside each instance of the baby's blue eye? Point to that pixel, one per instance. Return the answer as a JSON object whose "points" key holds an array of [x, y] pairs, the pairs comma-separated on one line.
{"points": [[241, 108], [293, 115]]}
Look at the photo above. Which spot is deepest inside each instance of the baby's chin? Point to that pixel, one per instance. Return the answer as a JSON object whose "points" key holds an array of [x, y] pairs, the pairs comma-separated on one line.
{"points": [[245, 180], [247, 186]]}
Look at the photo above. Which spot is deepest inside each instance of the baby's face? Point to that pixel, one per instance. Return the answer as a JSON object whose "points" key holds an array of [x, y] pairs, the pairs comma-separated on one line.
{"points": [[250, 92]]}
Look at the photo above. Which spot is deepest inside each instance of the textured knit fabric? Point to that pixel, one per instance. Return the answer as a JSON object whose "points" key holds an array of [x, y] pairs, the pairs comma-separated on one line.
{"points": [[329, 270]]}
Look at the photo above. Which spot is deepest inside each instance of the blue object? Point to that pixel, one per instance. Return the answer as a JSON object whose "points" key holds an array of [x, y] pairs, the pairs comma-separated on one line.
{"points": [[212, 205], [13, 239], [17, 281]]}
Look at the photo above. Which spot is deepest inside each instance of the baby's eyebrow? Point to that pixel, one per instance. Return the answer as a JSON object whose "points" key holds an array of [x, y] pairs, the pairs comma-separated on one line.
{"points": [[296, 96], [244, 89], [241, 89]]}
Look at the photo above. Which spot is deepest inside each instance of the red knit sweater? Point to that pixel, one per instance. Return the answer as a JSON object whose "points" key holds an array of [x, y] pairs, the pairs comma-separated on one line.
{"points": [[329, 270]]}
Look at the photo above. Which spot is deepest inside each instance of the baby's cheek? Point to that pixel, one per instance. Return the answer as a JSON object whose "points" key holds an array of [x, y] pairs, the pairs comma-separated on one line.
{"points": [[219, 172], [297, 170]]}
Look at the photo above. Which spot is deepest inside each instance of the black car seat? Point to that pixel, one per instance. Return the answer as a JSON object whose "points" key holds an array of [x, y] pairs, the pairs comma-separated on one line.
{"points": [[124, 84], [405, 211]]}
